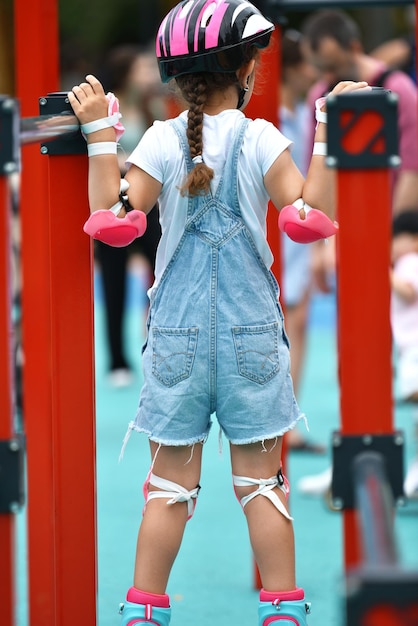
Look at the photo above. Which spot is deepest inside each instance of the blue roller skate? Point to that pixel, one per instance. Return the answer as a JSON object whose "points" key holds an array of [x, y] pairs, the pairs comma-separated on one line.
{"points": [[145, 613], [283, 608]]}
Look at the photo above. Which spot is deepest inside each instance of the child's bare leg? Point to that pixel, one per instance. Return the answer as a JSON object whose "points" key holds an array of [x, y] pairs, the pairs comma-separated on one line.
{"points": [[163, 524], [271, 533]]}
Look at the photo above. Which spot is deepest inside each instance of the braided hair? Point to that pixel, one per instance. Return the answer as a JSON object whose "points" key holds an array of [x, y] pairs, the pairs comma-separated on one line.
{"points": [[196, 89]]}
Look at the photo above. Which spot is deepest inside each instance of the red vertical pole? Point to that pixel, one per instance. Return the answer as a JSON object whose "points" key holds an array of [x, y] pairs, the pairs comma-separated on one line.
{"points": [[72, 391], [58, 348], [7, 520], [36, 54], [364, 333]]}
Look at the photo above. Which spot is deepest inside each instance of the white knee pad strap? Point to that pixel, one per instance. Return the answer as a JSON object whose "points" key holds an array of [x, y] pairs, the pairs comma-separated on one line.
{"points": [[175, 493], [265, 488]]}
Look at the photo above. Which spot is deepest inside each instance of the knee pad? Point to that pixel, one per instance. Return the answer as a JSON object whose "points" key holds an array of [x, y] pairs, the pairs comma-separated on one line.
{"points": [[172, 491], [265, 487]]}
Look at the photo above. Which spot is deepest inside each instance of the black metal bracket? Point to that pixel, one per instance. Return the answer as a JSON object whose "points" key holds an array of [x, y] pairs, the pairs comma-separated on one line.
{"points": [[58, 104], [362, 130], [12, 495], [9, 136], [382, 595], [345, 448]]}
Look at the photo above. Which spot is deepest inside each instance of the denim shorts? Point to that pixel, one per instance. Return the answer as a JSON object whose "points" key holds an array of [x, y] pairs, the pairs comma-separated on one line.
{"points": [[253, 396]]}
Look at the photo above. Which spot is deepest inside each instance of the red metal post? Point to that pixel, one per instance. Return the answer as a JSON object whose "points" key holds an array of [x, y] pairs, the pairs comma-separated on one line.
{"points": [[36, 53], [72, 391], [7, 520], [58, 348], [364, 333]]}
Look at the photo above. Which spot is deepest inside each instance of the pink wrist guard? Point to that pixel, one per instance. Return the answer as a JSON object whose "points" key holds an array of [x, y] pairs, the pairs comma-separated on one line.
{"points": [[114, 108], [320, 116], [113, 119]]}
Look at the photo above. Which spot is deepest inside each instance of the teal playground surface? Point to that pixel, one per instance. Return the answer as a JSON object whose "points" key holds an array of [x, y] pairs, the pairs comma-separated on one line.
{"points": [[213, 578]]}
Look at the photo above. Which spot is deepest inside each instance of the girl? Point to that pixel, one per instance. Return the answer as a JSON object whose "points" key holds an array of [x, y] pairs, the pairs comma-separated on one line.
{"points": [[216, 342]]}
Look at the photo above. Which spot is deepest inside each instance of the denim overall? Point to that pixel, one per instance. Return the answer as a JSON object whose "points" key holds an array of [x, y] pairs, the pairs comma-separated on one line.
{"points": [[216, 341]]}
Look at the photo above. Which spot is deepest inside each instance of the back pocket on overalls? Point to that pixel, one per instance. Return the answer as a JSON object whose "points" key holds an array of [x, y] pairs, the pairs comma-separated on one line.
{"points": [[173, 352], [256, 349]]}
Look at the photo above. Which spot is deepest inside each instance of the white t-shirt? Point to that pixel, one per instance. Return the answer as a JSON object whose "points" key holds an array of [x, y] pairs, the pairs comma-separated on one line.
{"points": [[159, 154], [404, 315]]}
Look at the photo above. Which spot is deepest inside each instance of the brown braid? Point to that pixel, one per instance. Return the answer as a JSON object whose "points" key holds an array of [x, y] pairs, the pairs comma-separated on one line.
{"points": [[196, 89]]}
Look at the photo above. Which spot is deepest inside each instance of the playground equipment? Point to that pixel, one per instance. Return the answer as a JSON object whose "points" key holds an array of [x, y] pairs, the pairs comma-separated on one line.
{"points": [[380, 588], [59, 403], [61, 434], [47, 127], [11, 446], [367, 465], [57, 327]]}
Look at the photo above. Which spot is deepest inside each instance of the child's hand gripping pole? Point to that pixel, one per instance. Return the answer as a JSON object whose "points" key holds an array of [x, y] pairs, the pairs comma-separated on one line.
{"points": [[112, 119], [303, 224], [105, 226]]}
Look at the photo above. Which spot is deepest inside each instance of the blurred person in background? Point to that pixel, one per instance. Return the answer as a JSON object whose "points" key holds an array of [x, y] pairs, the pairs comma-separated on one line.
{"points": [[400, 52], [294, 120], [332, 44], [404, 319], [131, 73], [404, 304]]}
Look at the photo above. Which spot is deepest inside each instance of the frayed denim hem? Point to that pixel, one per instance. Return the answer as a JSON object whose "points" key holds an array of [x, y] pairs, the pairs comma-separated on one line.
{"points": [[275, 435], [162, 442]]}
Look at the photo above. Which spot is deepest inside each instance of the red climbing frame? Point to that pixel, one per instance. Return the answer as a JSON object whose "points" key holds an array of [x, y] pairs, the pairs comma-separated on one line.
{"points": [[58, 340], [364, 335], [57, 306], [7, 520]]}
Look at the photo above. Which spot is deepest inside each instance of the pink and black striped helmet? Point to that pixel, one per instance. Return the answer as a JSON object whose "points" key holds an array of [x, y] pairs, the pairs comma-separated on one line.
{"points": [[209, 36]]}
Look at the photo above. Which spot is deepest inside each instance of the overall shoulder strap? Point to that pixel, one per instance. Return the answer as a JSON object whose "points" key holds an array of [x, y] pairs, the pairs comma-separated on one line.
{"points": [[230, 169], [180, 127]]}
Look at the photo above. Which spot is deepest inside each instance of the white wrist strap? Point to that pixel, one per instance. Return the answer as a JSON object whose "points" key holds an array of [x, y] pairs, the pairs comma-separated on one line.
{"points": [[102, 147], [102, 123], [320, 116], [320, 148]]}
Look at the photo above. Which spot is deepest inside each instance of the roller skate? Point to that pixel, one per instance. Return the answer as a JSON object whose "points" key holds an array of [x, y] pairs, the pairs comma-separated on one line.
{"points": [[287, 608], [145, 609]]}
